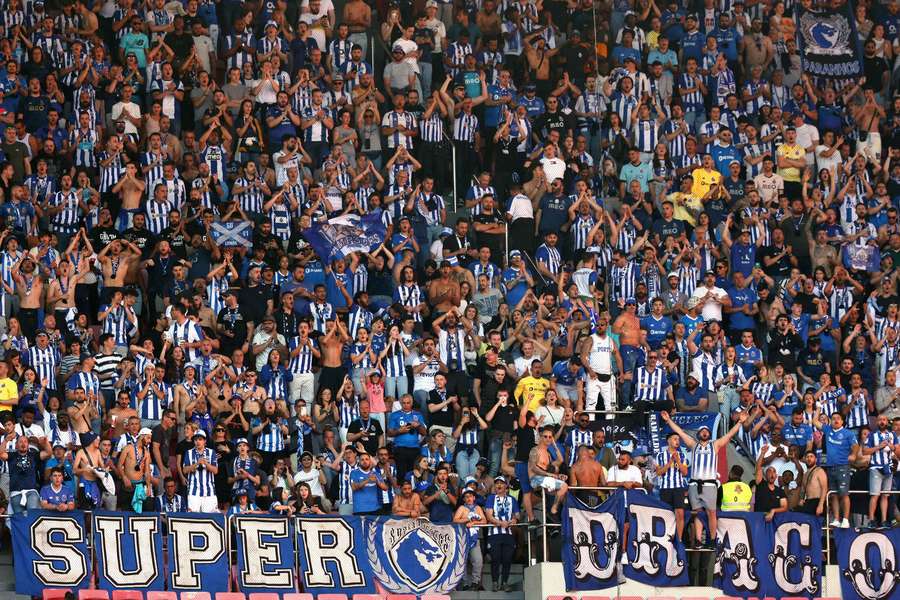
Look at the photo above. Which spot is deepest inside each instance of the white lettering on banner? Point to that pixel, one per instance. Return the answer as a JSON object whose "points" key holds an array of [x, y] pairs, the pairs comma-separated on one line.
{"points": [[143, 530], [737, 548], [329, 541], [782, 562], [587, 553], [861, 572], [648, 545], [54, 552], [188, 555], [259, 554]]}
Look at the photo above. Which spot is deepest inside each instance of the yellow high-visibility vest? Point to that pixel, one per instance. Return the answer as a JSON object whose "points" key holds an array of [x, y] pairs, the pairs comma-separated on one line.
{"points": [[736, 495]]}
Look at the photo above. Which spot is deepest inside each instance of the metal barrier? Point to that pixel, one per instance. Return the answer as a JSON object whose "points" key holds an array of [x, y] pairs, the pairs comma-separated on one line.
{"points": [[827, 524]]}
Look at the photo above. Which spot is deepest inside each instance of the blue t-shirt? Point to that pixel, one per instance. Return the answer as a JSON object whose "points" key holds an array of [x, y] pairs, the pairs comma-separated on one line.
{"points": [[747, 358], [797, 435], [690, 398], [838, 444], [400, 418], [554, 212], [741, 297], [743, 257], [564, 376], [63, 496], [657, 329], [366, 499]]}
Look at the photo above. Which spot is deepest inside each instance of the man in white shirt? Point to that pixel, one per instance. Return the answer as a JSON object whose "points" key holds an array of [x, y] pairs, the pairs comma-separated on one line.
{"points": [[807, 136], [624, 474], [127, 111], [554, 167], [712, 298]]}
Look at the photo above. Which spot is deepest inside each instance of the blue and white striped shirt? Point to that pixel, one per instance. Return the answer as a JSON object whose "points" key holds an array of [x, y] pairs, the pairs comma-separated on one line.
{"points": [[650, 386], [672, 479], [704, 462], [201, 482]]}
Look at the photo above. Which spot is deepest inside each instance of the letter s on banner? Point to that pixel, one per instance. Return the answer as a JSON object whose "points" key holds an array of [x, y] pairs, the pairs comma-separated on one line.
{"points": [[51, 551], [197, 556], [327, 549], [129, 551], [265, 553]]}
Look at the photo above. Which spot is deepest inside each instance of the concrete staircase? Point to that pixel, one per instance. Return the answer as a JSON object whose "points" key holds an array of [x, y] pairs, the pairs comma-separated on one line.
{"points": [[516, 577]]}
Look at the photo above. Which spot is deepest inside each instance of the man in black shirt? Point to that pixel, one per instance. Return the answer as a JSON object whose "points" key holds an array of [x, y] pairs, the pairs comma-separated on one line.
{"points": [[140, 236], [501, 412], [490, 227], [231, 325], [784, 344], [442, 408], [365, 429], [778, 258], [175, 234], [770, 498]]}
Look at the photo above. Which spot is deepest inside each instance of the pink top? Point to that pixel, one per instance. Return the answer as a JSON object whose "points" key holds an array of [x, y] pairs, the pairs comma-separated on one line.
{"points": [[375, 396]]}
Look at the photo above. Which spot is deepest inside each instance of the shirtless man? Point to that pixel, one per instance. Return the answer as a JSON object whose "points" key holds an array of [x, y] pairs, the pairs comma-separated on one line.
{"points": [[135, 464], [84, 410], [115, 260], [132, 190], [332, 344], [86, 460], [358, 17], [628, 328], [868, 117], [61, 296], [30, 288], [587, 472], [813, 487], [444, 291], [540, 474], [122, 415], [406, 503]]}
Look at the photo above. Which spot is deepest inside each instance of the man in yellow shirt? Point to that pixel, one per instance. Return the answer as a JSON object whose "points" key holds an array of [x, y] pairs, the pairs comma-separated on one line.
{"points": [[532, 388], [791, 158], [9, 391], [687, 206], [705, 177]]}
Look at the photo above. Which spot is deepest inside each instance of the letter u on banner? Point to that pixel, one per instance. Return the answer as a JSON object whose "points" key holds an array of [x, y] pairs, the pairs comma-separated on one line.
{"points": [[198, 553], [51, 551], [265, 553], [129, 553]]}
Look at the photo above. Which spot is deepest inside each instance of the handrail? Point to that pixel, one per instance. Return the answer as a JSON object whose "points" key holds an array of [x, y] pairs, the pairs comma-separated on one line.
{"points": [[827, 524]]}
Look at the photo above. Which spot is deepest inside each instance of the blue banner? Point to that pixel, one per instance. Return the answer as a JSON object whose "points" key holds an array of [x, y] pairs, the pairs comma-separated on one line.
{"points": [[827, 41], [331, 552], [688, 421], [198, 553], [868, 563], [51, 551], [591, 543], [655, 554], [415, 556], [128, 549], [265, 553], [338, 237], [759, 558]]}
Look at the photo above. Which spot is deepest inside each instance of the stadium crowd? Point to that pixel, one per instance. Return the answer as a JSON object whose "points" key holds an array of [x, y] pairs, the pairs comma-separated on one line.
{"points": [[594, 211]]}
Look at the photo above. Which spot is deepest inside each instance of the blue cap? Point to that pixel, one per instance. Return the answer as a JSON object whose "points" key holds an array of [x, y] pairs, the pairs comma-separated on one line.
{"points": [[631, 301]]}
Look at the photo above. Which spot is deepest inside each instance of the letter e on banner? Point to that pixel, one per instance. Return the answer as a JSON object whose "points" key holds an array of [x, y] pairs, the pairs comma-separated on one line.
{"points": [[265, 553]]}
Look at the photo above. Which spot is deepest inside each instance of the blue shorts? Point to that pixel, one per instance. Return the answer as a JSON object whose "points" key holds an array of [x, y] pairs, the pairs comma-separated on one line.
{"points": [[839, 479], [522, 476]]}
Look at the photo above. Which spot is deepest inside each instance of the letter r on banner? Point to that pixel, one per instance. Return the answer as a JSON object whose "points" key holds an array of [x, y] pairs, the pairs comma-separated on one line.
{"points": [[331, 541]]}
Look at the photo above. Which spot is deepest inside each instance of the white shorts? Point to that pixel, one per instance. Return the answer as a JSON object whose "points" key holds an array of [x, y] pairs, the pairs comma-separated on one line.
{"points": [[203, 504], [551, 484]]}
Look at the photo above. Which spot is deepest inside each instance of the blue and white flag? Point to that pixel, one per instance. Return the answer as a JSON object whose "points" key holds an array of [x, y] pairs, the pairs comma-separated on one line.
{"points": [[655, 554], [129, 552], [232, 234], [51, 551], [198, 553], [415, 556], [868, 563], [592, 543], [827, 41], [331, 553], [689, 422], [338, 237], [265, 553]]}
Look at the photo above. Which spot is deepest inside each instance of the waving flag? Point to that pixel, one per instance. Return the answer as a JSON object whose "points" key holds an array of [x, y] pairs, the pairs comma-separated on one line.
{"points": [[828, 44], [338, 237]]}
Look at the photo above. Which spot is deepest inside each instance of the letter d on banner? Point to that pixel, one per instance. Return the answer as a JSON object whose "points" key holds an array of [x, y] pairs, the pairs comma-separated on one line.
{"points": [[51, 551], [197, 556]]}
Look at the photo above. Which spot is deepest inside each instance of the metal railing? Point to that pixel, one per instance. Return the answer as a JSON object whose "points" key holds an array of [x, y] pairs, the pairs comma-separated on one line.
{"points": [[827, 524]]}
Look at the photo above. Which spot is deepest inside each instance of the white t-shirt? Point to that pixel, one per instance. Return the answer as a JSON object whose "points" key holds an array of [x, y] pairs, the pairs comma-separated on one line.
{"points": [[554, 168], [133, 109], [310, 477], [827, 162], [424, 380], [632, 473], [712, 309], [807, 135]]}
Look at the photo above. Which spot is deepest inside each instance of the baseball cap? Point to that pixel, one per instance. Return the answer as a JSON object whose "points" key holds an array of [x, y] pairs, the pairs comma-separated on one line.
{"points": [[241, 441], [200, 433], [147, 431], [672, 274], [515, 254], [709, 272], [469, 480], [430, 4], [500, 478], [337, 77], [706, 427], [631, 301]]}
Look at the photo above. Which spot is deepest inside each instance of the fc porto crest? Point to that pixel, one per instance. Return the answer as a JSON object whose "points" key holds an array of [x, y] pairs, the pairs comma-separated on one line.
{"points": [[415, 556], [825, 34]]}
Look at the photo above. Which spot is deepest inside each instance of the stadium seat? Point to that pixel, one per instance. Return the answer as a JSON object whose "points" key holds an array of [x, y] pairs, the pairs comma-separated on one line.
{"points": [[548, 598], [55, 593], [401, 597], [93, 595], [162, 596], [331, 597], [263, 596], [195, 596], [296, 596], [661, 598], [431, 597], [381, 597], [127, 595], [230, 596], [593, 597]]}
